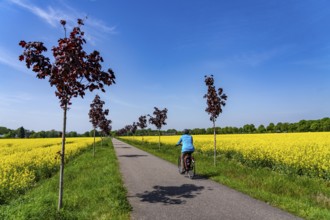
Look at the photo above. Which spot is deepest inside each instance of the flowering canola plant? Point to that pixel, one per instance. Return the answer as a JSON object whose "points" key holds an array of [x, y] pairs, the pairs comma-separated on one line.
{"points": [[24, 161], [303, 153]]}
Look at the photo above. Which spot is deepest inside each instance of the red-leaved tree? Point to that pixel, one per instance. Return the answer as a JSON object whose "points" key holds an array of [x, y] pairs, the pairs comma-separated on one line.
{"points": [[121, 132], [105, 126], [97, 116], [128, 129], [158, 120], [72, 72], [215, 100], [142, 123], [134, 128]]}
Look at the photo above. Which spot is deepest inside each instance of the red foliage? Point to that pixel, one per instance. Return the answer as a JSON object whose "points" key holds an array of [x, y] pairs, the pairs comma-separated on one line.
{"points": [[98, 116], [142, 122], [73, 71], [96, 112], [159, 117], [215, 100]]}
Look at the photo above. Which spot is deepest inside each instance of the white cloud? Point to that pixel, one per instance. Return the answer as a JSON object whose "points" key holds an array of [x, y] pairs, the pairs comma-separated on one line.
{"points": [[52, 15], [100, 25]]}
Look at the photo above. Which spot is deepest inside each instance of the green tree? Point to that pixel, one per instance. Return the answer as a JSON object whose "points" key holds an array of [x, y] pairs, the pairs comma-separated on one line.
{"points": [[271, 127], [91, 133], [10, 134], [42, 134], [4, 130], [171, 131], [72, 134], [209, 131], [325, 124], [21, 132], [315, 126], [261, 129], [249, 128], [285, 127], [303, 126], [31, 134], [235, 130], [53, 133], [240, 131], [198, 131], [278, 127], [292, 127], [218, 130]]}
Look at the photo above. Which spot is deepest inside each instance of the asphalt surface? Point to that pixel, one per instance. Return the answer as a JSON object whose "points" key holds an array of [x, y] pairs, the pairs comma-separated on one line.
{"points": [[157, 191]]}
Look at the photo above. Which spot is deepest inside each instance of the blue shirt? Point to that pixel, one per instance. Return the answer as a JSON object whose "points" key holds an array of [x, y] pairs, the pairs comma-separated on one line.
{"points": [[187, 143]]}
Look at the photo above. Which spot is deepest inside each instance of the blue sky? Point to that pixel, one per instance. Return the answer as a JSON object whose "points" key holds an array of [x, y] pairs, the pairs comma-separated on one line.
{"points": [[270, 57]]}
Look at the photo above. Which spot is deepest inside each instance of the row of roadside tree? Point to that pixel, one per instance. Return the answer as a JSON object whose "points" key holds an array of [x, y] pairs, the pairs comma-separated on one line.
{"points": [[301, 126]]}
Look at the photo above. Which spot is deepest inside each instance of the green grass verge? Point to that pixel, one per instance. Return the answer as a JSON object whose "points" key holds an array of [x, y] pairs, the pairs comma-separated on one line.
{"points": [[93, 189], [306, 197]]}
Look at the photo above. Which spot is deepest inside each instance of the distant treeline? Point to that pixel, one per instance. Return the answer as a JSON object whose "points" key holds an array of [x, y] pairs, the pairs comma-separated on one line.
{"points": [[301, 126], [24, 133]]}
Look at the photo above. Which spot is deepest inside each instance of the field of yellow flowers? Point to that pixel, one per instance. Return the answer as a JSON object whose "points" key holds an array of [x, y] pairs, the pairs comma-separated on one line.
{"points": [[302, 153], [25, 161]]}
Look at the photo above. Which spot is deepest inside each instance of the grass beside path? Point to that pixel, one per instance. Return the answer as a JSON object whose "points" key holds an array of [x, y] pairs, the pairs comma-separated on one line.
{"points": [[93, 189], [302, 196]]}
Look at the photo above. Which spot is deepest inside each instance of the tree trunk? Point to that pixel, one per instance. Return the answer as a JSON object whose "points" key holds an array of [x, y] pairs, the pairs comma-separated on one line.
{"points": [[159, 138], [94, 144], [215, 143], [60, 196]]}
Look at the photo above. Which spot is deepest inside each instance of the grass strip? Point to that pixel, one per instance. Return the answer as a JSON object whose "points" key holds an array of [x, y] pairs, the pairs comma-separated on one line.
{"points": [[93, 189], [302, 196]]}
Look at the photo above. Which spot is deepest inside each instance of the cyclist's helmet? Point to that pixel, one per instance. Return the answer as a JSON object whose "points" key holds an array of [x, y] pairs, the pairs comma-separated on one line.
{"points": [[186, 131]]}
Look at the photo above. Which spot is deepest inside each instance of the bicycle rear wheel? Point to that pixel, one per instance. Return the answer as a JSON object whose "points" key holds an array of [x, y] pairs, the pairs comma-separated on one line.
{"points": [[191, 171]]}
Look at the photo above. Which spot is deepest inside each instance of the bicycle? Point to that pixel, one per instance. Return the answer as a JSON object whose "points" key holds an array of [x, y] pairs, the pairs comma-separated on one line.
{"points": [[189, 164]]}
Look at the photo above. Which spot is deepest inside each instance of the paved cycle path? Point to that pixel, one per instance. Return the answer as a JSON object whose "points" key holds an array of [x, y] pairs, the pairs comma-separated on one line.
{"points": [[157, 191]]}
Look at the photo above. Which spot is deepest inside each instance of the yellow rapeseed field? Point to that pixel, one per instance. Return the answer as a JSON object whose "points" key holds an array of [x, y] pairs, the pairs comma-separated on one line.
{"points": [[307, 153], [24, 161]]}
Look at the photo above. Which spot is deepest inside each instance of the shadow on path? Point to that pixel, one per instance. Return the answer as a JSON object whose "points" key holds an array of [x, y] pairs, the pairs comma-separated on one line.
{"points": [[171, 195], [200, 177]]}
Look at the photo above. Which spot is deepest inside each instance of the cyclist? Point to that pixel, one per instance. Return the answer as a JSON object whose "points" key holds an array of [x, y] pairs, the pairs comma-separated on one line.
{"points": [[187, 146]]}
